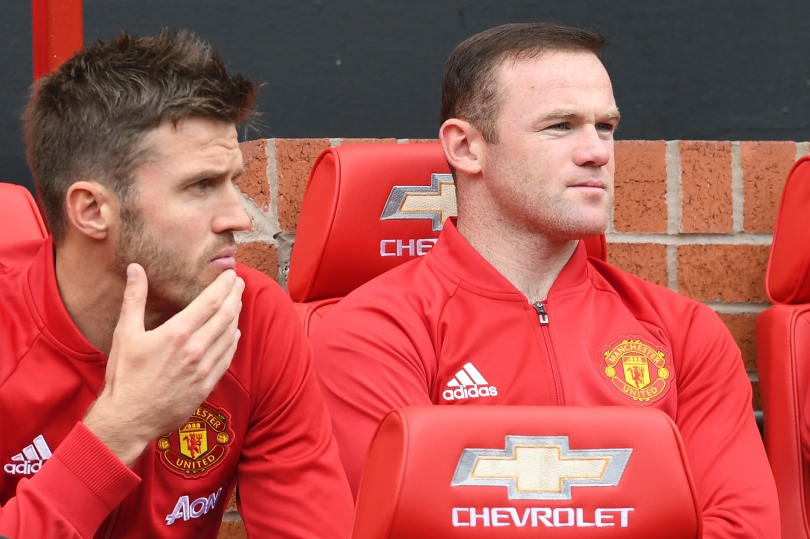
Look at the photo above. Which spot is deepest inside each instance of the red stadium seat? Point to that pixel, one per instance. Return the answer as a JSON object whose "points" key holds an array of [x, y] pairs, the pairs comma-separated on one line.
{"points": [[367, 209], [486, 472], [783, 352], [20, 219]]}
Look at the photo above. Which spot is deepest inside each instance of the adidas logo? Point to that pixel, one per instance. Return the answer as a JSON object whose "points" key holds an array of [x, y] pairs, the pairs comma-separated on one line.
{"points": [[30, 459], [468, 384]]}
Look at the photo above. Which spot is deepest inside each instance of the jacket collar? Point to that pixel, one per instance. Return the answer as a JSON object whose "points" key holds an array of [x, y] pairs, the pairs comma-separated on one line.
{"points": [[47, 308], [457, 256]]}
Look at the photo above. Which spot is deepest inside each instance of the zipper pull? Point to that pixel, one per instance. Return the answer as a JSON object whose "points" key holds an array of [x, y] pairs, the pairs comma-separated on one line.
{"points": [[541, 312]]}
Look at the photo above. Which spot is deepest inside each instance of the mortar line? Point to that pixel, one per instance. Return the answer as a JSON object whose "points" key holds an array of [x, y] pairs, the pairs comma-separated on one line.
{"points": [[739, 238], [335, 142], [737, 188], [263, 226], [736, 308], [673, 199], [802, 149], [672, 267], [282, 249]]}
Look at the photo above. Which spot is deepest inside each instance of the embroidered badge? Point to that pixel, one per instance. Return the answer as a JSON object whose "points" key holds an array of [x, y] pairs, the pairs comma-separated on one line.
{"points": [[197, 446], [637, 370]]}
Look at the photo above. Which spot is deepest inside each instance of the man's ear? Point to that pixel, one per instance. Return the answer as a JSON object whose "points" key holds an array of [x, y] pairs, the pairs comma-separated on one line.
{"points": [[463, 146], [91, 209]]}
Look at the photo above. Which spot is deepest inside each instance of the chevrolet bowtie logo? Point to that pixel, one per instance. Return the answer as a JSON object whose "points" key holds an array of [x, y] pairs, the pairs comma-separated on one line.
{"points": [[540, 467], [436, 202]]}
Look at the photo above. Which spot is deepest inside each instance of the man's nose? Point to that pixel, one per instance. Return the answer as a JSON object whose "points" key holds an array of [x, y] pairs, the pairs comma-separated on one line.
{"points": [[232, 216], [594, 149]]}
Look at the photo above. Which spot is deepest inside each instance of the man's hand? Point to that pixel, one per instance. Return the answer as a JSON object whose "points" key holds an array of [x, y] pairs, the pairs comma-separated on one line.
{"points": [[156, 379]]}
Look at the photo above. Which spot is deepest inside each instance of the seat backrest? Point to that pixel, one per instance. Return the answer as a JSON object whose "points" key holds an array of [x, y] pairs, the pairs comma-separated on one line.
{"points": [[20, 219], [783, 353], [367, 209], [505, 471]]}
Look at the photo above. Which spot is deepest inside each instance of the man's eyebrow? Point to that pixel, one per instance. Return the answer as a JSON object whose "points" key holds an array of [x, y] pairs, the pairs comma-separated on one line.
{"points": [[559, 114], [211, 173], [568, 114], [613, 115]]}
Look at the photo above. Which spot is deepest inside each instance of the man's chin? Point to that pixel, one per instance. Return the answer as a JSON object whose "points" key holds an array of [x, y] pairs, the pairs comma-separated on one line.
{"points": [[582, 229], [210, 273], [175, 297]]}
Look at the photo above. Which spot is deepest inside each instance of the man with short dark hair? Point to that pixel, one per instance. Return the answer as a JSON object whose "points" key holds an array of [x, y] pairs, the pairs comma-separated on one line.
{"points": [[142, 370], [508, 309]]}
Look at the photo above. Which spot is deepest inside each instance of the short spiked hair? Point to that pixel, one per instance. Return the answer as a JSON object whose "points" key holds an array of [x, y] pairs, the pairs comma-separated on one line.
{"points": [[88, 118]]}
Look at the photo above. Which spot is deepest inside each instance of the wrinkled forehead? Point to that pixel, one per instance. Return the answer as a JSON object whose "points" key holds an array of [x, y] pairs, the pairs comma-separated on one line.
{"points": [[189, 150]]}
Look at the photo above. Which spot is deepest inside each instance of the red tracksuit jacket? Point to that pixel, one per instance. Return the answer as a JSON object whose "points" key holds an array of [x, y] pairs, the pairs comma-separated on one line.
{"points": [[449, 329], [265, 425]]}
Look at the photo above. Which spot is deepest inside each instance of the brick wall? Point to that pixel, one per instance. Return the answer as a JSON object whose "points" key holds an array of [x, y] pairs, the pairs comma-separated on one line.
{"points": [[694, 216]]}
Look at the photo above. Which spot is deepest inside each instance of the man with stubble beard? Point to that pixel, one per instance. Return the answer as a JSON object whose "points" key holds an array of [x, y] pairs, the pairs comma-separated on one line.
{"points": [[142, 370]]}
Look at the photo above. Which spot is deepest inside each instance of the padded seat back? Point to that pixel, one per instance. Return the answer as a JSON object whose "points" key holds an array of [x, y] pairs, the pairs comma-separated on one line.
{"points": [[783, 353], [20, 219], [367, 209], [527, 471]]}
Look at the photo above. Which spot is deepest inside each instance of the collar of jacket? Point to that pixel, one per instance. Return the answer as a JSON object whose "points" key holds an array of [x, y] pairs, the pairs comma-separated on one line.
{"points": [[45, 304], [457, 256]]}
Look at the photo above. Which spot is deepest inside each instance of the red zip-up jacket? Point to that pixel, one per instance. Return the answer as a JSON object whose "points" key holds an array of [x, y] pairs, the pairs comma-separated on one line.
{"points": [[449, 329], [265, 425]]}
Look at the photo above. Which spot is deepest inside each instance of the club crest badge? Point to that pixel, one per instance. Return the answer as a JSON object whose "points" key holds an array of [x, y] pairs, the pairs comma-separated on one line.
{"points": [[196, 447], [636, 369]]}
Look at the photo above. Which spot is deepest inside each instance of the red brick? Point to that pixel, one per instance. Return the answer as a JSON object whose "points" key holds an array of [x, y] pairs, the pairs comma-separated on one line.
{"points": [[368, 141], [730, 273], [259, 256], [742, 328], [645, 260], [294, 160], [232, 530], [254, 182], [641, 186], [765, 166], [705, 186]]}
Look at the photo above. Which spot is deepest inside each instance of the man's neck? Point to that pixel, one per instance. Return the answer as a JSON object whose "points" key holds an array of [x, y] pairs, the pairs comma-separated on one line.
{"points": [[530, 261], [91, 292]]}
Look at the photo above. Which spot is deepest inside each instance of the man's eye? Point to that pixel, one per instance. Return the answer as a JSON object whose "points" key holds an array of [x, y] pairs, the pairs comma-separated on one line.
{"points": [[200, 185], [606, 127], [559, 127]]}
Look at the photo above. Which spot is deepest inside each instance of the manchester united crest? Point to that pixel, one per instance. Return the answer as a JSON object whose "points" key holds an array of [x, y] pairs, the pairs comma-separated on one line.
{"points": [[199, 445], [637, 370]]}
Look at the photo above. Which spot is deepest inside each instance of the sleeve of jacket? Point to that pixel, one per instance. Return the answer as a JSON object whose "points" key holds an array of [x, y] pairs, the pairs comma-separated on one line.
{"points": [[726, 455], [290, 481], [76, 489], [370, 359]]}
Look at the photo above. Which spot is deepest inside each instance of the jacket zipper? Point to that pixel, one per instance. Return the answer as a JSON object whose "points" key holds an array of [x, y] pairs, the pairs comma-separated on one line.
{"points": [[542, 316]]}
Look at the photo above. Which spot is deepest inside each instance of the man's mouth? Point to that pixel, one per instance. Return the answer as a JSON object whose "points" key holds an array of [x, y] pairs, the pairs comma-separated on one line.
{"points": [[594, 184], [225, 259]]}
